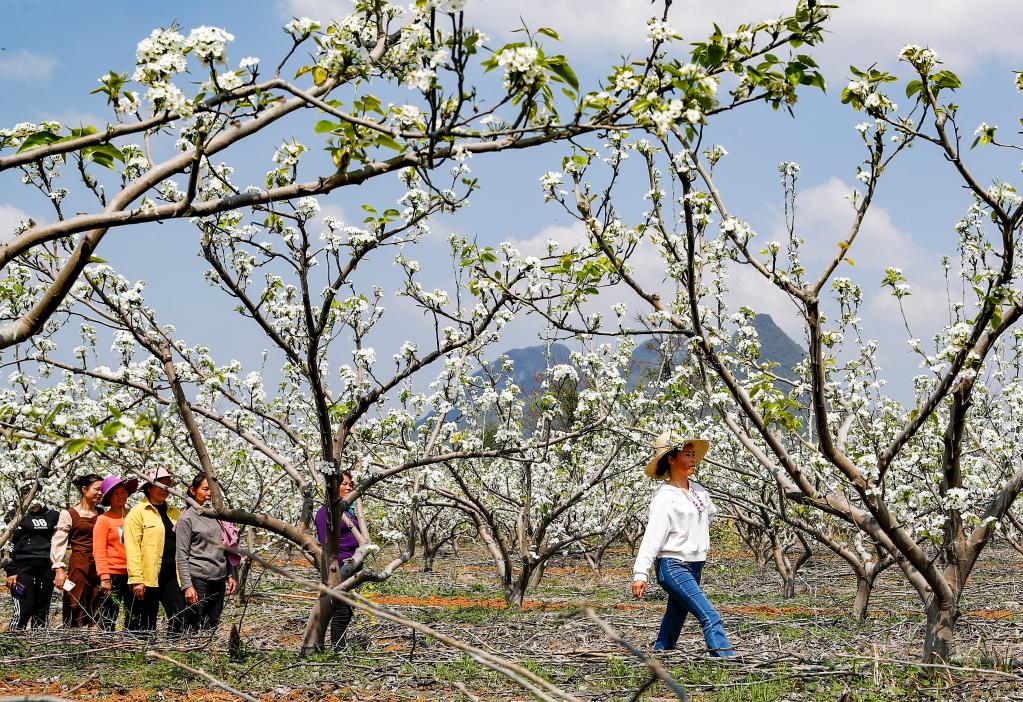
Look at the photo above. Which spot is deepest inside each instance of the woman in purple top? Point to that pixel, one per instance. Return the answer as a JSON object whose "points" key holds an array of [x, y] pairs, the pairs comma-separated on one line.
{"points": [[353, 533]]}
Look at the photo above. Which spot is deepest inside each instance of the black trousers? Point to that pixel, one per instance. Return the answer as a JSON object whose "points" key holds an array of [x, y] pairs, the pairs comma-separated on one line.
{"points": [[120, 596], [32, 595], [167, 593], [340, 618], [205, 614]]}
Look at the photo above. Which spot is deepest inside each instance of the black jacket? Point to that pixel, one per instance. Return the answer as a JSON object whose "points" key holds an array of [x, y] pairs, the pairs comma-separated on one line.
{"points": [[32, 538]]}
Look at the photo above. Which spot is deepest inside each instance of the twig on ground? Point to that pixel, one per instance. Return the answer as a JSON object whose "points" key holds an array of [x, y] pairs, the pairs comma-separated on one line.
{"points": [[937, 666], [465, 691], [655, 668], [197, 671], [521, 676], [88, 678]]}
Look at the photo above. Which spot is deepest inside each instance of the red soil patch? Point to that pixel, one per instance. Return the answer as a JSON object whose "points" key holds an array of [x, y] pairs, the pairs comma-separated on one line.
{"points": [[449, 602], [994, 613], [95, 693]]}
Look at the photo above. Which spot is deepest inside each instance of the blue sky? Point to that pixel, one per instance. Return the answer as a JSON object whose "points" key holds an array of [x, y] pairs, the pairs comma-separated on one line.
{"points": [[53, 53]]}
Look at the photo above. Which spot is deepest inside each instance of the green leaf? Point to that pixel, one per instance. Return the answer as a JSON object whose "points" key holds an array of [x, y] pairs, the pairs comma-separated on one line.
{"points": [[104, 154], [548, 32], [341, 158], [386, 141], [38, 139], [559, 66], [913, 87], [946, 79], [325, 125], [715, 52], [75, 445]]}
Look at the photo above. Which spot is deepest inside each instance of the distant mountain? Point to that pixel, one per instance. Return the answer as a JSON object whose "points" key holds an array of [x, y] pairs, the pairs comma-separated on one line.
{"points": [[776, 345], [648, 361]]}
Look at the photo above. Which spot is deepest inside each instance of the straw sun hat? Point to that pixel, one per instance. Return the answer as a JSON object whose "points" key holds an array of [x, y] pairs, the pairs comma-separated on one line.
{"points": [[670, 441]]}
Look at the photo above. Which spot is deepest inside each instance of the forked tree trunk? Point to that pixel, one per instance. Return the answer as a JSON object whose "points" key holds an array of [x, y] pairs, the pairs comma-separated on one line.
{"points": [[787, 569], [319, 618], [788, 586], [515, 592], [941, 622]]}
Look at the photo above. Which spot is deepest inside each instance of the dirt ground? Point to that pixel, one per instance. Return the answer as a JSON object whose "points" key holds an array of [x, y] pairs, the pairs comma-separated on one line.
{"points": [[804, 648]]}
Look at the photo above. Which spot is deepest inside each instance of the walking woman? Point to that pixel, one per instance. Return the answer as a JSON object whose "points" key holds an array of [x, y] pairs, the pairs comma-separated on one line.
{"points": [[74, 528], [206, 572], [353, 533], [29, 570], [149, 549], [108, 552], [677, 540]]}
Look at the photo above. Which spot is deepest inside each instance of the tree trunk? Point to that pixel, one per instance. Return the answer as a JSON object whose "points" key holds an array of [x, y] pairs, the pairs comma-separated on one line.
{"points": [[515, 592], [243, 580], [941, 621], [788, 586], [864, 588], [785, 570], [243, 573], [316, 626], [319, 618], [536, 575]]}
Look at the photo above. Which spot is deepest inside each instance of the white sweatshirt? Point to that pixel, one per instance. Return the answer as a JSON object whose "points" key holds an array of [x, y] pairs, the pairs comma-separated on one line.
{"points": [[676, 528]]}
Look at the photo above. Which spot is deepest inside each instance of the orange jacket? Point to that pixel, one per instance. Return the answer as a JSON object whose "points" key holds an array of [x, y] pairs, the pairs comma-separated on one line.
{"points": [[108, 545]]}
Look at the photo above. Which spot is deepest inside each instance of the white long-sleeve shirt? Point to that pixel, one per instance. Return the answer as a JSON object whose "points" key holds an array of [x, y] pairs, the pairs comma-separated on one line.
{"points": [[676, 528]]}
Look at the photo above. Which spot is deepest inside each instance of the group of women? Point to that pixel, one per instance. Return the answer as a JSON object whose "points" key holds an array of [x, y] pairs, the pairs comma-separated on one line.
{"points": [[153, 554], [105, 557]]}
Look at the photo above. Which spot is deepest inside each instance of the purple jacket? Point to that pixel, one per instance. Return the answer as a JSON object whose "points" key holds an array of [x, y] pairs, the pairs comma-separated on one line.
{"points": [[348, 542]]}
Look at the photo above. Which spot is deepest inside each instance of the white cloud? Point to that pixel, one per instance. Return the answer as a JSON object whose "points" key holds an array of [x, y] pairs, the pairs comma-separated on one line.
{"points": [[10, 217], [74, 119], [24, 66], [648, 269], [536, 245], [861, 33], [321, 10], [824, 217], [329, 209]]}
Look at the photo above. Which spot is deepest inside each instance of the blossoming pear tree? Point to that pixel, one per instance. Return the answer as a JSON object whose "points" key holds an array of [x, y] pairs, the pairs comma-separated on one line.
{"points": [[288, 270], [544, 500], [920, 482]]}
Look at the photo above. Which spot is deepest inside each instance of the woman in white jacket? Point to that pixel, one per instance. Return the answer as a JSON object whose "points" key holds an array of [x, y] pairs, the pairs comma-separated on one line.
{"points": [[676, 542]]}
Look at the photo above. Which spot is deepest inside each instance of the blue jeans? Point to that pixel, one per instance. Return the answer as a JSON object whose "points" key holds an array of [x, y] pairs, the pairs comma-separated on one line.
{"points": [[681, 580]]}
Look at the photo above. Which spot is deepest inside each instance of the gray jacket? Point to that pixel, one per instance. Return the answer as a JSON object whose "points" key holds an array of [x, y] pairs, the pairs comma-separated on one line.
{"points": [[199, 552]]}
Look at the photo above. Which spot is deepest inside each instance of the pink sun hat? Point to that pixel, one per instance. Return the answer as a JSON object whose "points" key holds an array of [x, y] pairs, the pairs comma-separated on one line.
{"points": [[161, 472], [111, 483]]}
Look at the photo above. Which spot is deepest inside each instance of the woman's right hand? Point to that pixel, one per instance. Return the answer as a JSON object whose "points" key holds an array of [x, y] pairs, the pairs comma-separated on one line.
{"points": [[59, 576], [638, 588], [191, 596], [139, 591]]}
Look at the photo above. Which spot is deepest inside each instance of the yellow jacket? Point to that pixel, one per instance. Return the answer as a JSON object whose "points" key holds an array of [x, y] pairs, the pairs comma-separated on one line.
{"points": [[143, 542]]}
